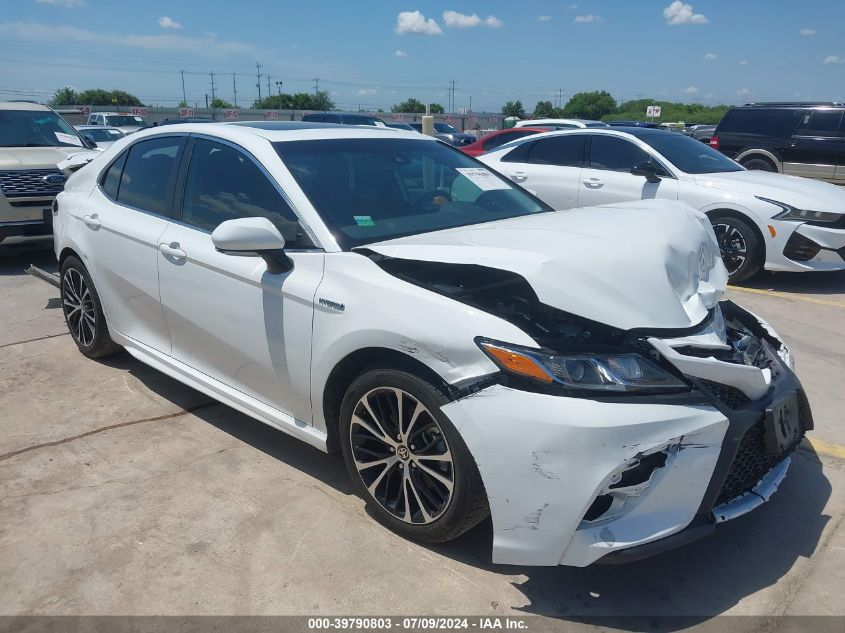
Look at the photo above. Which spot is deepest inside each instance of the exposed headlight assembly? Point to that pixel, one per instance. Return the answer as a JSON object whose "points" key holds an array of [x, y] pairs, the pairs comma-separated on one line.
{"points": [[608, 373], [801, 215]]}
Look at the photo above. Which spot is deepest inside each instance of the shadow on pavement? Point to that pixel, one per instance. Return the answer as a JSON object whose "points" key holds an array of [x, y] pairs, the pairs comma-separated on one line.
{"points": [[823, 283], [15, 260]]}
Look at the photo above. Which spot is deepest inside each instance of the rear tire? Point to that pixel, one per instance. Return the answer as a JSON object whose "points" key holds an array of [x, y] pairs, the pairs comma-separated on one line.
{"points": [[424, 484], [84, 312], [742, 250], [759, 164]]}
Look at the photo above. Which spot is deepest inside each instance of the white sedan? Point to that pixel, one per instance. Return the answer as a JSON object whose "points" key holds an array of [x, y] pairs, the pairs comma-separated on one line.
{"points": [[468, 349], [761, 220]]}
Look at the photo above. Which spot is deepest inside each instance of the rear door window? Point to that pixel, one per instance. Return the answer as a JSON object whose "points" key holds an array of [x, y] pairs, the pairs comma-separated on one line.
{"points": [[149, 175], [821, 123], [563, 151]]}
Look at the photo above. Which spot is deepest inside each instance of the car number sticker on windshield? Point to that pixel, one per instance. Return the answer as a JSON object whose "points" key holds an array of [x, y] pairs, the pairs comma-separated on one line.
{"points": [[68, 138], [114, 132], [363, 220], [482, 178]]}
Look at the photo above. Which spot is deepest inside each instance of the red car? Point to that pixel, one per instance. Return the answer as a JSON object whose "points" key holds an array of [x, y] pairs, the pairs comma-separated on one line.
{"points": [[496, 139]]}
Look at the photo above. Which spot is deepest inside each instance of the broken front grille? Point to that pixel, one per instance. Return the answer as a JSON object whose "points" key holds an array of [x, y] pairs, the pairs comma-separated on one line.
{"points": [[752, 462], [20, 183], [730, 396]]}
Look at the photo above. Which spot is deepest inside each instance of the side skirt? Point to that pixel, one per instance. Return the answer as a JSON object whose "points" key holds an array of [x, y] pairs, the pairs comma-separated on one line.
{"points": [[221, 392]]}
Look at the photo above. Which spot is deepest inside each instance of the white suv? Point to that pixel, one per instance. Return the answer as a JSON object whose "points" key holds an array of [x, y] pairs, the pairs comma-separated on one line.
{"points": [[126, 122], [468, 349]]}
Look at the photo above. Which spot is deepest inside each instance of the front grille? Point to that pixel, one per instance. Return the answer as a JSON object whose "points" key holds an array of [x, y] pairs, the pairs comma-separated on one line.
{"points": [[23, 183], [800, 249], [730, 396], [752, 462]]}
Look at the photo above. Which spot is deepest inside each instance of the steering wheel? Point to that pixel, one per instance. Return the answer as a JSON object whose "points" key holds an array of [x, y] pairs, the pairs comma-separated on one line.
{"points": [[494, 201]]}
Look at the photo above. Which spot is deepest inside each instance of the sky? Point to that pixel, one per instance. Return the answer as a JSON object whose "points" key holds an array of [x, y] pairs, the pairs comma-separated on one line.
{"points": [[375, 53]]}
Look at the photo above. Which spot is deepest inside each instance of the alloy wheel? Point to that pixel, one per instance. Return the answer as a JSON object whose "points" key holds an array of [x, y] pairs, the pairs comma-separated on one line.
{"points": [[732, 246], [78, 307], [402, 455]]}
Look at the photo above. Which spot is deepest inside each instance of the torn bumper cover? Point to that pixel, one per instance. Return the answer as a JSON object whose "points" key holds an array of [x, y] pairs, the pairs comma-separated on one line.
{"points": [[585, 479]]}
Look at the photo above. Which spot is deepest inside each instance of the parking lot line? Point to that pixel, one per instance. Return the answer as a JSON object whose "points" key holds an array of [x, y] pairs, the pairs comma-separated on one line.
{"points": [[788, 295], [827, 449]]}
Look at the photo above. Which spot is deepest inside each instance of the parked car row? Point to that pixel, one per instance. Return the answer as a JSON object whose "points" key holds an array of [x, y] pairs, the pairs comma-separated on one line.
{"points": [[468, 349]]}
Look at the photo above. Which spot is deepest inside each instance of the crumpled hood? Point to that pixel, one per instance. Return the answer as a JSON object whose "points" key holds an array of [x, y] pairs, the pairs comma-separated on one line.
{"points": [[644, 264], [35, 157], [803, 193]]}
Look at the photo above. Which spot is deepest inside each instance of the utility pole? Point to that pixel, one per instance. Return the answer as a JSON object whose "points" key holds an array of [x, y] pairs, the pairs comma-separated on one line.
{"points": [[316, 86], [269, 92], [258, 78], [235, 88], [470, 105], [452, 98], [213, 93], [183, 86], [279, 86], [206, 101], [560, 97]]}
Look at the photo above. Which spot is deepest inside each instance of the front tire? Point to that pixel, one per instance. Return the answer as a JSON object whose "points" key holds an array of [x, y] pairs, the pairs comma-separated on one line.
{"points": [[759, 164], [84, 312], [741, 248], [407, 460]]}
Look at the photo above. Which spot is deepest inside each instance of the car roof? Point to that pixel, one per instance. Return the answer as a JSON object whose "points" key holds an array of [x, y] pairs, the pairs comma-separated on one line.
{"points": [[95, 127], [23, 105], [280, 131], [620, 131], [360, 114]]}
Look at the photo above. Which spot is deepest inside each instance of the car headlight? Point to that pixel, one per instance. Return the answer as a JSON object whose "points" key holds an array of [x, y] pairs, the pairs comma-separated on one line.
{"points": [[801, 215], [620, 373]]}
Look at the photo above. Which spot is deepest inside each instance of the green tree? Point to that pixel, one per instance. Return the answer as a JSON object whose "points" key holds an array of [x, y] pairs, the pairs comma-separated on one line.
{"points": [[183, 104], [100, 97], [222, 104], [409, 105], [64, 96], [544, 110], [124, 98], [514, 108], [590, 105], [322, 101], [436, 108]]}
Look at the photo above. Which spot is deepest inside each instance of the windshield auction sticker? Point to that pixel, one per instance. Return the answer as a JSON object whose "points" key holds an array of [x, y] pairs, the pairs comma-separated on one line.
{"points": [[70, 139], [482, 178]]}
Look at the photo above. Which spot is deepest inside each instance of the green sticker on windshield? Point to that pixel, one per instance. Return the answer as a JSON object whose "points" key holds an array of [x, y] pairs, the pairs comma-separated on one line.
{"points": [[363, 220]]}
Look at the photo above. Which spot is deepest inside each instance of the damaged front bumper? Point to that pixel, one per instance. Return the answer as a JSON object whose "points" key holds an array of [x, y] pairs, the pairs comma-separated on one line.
{"points": [[617, 479]]}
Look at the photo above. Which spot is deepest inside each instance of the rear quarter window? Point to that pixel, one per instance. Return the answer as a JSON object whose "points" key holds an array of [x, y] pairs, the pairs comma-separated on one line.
{"points": [[761, 122]]}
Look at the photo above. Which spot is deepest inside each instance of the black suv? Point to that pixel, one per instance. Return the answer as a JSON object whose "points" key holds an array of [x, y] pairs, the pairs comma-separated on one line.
{"points": [[801, 139]]}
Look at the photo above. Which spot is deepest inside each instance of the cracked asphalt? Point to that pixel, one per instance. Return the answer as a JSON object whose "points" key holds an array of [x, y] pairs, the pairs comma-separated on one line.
{"points": [[124, 492]]}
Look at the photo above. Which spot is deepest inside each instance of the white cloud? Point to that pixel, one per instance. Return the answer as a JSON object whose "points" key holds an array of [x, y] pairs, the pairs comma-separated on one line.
{"points": [[743, 92], [710, 56], [168, 23], [586, 19], [207, 46], [544, 18], [690, 90], [744, 62], [834, 59], [807, 32], [366, 92], [401, 54], [455, 20], [70, 4], [414, 22], [681, 13]]}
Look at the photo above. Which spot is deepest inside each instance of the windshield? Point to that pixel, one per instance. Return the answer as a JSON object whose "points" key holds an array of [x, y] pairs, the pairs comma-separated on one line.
{"points": [[369, 190], [689, 155], [101, 134], [445, 128], [36, 128], [596, 124], [125, 120]]}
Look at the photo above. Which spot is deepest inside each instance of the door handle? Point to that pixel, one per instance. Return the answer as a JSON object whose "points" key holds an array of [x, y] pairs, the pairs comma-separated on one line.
{"points": [[593, 183], [92, 221], [519, 176], [173, 251]]}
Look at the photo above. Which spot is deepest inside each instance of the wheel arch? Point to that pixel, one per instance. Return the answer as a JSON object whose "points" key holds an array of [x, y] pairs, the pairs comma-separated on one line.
{"points": [[739, 215], [352, 366], [66, 252], [761, 153]]}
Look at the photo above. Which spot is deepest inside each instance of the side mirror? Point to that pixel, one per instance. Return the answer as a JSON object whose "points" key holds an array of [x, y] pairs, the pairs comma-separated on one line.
{"points": [[89, 140], [253, 237], [647, 169]]}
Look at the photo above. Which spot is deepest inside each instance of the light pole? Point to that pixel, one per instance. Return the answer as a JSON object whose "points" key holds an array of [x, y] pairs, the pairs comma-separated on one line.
{"points": [[279, 87]]}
